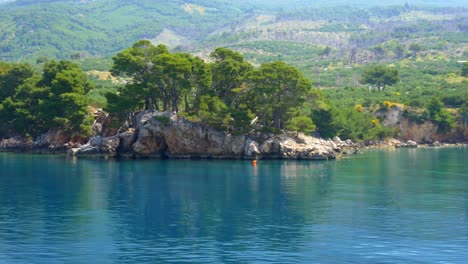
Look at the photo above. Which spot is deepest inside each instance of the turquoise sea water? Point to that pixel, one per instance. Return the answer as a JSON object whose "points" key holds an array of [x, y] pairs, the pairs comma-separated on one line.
{"points": [[398, 206]]}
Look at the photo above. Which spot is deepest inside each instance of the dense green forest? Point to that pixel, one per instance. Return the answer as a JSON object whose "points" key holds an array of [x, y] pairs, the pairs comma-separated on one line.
{"points": [[60, 29], [227, 93], [63, 29], [294, 65], [32, 104]]}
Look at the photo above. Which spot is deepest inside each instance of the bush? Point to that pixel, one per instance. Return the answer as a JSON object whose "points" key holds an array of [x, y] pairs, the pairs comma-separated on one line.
{"points": [[163, 120]]}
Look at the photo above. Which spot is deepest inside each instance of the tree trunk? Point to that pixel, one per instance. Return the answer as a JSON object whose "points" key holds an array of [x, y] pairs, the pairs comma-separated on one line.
{"points": [[155, 102], [276, 119], [174, 97], [147, 104], [187, 107]]}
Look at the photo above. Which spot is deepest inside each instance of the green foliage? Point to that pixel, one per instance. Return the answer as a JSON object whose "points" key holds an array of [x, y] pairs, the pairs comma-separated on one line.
{"points": [[97, 96], [158, 79], [240, 120], [57, 29], [354, 125], [228, 71], [54, 100], [11, 76], [301, 124], [163, 120], [276, 87], [324, 120], [415, 48], [213, 111], [380, 76], [439, 115], [464, 71]]}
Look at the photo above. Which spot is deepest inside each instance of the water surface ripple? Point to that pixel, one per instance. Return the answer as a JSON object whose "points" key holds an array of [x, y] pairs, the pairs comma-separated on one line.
{"points": [[401, 206]]}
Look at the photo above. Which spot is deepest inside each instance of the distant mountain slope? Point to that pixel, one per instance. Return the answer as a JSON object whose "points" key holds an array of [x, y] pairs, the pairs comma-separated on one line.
{"points": [[295, 4], [102, 27], [30, 29]]}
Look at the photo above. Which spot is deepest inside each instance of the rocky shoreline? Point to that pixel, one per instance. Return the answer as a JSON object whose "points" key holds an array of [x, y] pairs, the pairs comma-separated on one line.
{"points": [[165, 135]]}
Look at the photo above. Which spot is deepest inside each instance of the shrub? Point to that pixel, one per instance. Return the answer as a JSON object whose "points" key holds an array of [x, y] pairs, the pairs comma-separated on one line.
{"points": [[163, 120]]}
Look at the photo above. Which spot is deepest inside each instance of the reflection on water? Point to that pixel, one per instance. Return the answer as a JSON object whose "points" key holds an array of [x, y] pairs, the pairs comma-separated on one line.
{"points": [[383, 206]]}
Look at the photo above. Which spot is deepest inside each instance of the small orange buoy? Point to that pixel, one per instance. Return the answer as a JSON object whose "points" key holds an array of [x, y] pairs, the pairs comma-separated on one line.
{"points": [[254, 162]]}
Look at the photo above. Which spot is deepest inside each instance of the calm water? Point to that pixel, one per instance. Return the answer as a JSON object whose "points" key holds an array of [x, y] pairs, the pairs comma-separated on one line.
{"points": [[402, 206]]}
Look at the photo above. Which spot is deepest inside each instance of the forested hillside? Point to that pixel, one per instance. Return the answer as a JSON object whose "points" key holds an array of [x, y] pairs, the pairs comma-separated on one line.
{"points": [[60, 29], [367, 61], [64, 28]]}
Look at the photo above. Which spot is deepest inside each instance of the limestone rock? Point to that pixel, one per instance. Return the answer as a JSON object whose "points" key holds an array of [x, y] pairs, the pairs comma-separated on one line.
{"points": [[98, 146], [271, 147], [15, 143], [408, 144], [52, 141], [158, 134], [185, 139], [251, 148], [127, 139], [393, 142], [299, 147], [149, 143]]}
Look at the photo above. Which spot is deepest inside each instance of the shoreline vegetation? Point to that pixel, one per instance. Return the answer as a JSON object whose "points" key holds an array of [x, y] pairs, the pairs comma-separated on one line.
{"points": [[263, 72], [179, 138], [99, 148], [176, 105]]}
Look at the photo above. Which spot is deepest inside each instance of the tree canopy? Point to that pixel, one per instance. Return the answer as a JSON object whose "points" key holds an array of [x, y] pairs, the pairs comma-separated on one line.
{"points": [[464, 71], [277, 87], [380, 76], [32, 104], [228, 92]]}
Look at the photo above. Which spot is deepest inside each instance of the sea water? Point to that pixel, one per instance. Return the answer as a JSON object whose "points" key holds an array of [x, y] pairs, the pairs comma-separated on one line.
{"points": [[393, 206]]}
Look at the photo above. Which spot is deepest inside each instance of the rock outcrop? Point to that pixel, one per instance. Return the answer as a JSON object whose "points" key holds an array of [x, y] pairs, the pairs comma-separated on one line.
{"points": [[98, 146], [165, 135], [408, 144], [157, 134], [15, 144], [51, 142]]}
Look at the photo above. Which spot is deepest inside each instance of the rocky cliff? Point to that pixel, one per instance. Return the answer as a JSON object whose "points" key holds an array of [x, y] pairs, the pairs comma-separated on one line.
{"points": [[52, 142], [165, 135], [425, 132]]}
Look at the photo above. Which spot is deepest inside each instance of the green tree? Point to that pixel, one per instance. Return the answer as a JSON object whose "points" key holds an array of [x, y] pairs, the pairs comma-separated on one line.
{"points": [[439, 115], [399, 52], [55, 100], [415, 48], [379, 52], [66, 106], [137, 64], [301, 124], [276, 87], [228, 70], [174, 72], [214, 111], [12, 76], [464, 71], [157, 79], [20, 113], [380, 76], [323, 117]]}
